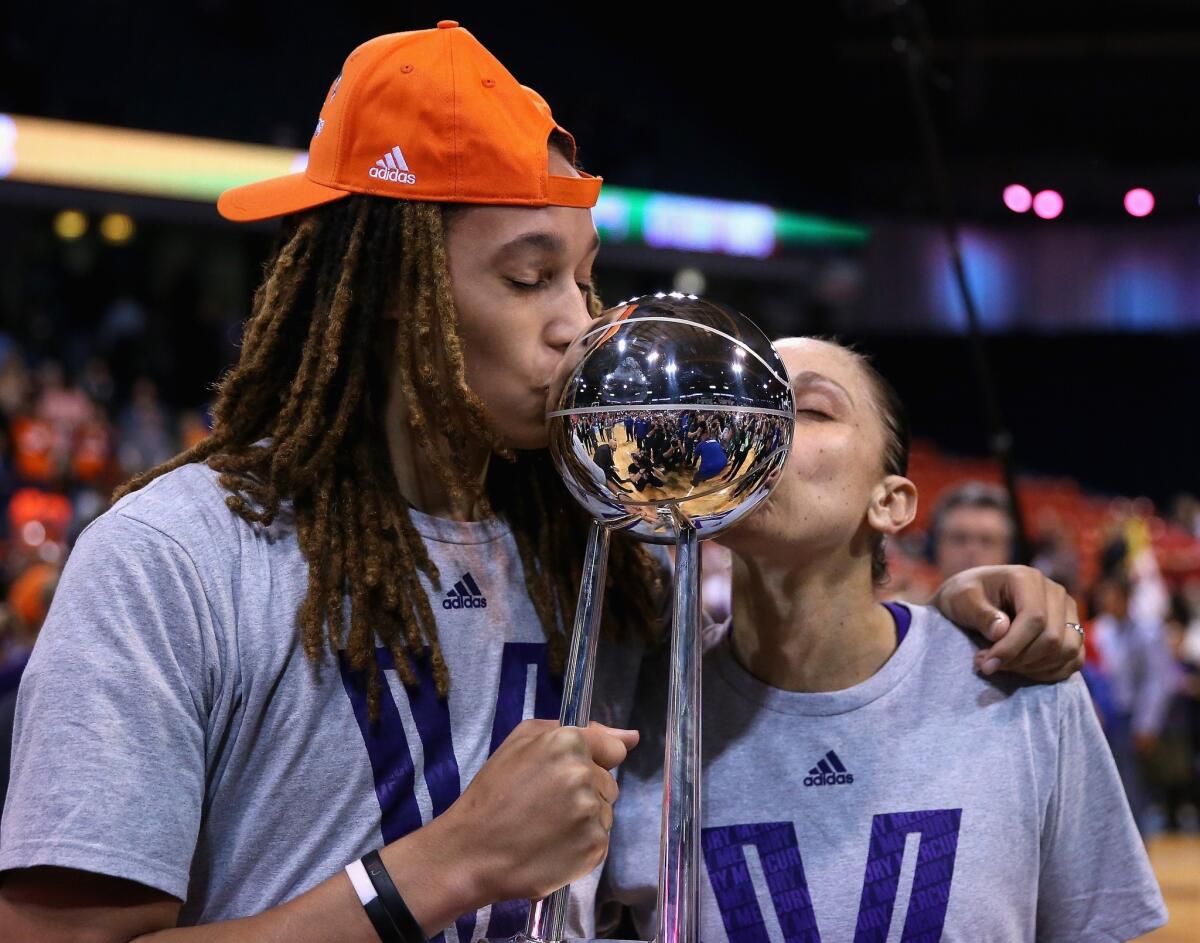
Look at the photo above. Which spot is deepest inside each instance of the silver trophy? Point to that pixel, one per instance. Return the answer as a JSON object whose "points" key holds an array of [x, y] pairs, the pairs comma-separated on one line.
{"points": [[667, 418]]}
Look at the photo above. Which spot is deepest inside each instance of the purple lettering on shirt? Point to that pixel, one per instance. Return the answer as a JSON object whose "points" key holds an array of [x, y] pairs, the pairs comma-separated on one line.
{"points": [[510, 697], [509, 916], [930, 894], [779, 854], [725, 859], [391, 758]]}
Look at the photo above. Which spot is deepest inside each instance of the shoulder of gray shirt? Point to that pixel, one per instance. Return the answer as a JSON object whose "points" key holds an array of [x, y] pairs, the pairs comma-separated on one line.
{"points": [[185, 510]]}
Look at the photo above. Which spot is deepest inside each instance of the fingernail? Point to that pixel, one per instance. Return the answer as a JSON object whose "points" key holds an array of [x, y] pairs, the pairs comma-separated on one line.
{"points": [[991, 665]]}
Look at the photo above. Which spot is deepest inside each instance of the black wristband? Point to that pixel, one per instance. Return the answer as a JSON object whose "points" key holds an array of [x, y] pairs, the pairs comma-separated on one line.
{"points": [[408, 929], [382, 922]]}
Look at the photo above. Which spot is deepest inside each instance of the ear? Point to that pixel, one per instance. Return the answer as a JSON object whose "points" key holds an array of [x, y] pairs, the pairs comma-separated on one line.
{"points": [[893, 505]]}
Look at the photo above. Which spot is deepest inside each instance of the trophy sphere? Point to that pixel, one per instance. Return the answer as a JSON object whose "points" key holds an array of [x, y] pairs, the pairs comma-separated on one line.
{"points": [[670, 407]]}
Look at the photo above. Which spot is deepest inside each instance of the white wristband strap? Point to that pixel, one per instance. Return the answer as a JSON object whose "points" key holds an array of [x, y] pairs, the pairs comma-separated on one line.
{"points": [[361, 881]]}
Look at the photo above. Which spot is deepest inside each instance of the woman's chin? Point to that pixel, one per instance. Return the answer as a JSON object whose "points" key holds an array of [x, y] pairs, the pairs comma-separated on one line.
{"points": [[525, 438], [752, 531], [744, 537], [758, 535]]}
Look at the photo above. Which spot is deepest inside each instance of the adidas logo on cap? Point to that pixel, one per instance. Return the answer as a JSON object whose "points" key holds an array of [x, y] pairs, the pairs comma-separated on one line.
{"points": [[828, 772], [465, 595], [392, 166]]}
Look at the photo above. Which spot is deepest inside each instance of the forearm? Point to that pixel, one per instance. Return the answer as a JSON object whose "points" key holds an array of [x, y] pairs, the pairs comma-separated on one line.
{"points": [[430, 868], [330, 911], [437, 882]]}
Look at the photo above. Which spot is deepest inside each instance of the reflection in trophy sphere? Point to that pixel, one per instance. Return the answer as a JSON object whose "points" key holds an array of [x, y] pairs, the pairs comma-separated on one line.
{"points": [[670, 406]]}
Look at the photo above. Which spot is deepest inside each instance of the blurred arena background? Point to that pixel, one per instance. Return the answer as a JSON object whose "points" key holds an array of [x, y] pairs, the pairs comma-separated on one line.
{"points": [[779, 166]]}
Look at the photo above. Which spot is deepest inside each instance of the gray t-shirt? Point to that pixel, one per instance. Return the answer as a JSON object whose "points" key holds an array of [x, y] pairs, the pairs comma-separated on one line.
{"points": [[170, 729], [925, 803]]}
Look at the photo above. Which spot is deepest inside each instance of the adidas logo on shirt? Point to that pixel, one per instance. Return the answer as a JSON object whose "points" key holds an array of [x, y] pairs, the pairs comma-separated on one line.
{"points": [[392, 166], [828, 772], [465, 595]]}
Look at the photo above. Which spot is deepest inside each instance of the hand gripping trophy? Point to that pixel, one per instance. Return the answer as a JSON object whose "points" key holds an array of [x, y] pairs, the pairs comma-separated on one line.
{"points": [[667, 419]]}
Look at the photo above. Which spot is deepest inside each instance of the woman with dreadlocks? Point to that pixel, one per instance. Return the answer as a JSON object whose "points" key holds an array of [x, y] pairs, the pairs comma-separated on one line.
{"points": [[317, 632]]}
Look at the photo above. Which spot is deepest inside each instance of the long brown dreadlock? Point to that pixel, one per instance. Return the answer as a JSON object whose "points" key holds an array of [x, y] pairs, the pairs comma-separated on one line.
{"points": [[299, 418]]}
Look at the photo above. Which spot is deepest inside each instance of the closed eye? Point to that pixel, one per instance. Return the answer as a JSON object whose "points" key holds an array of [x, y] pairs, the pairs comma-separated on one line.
{"points": [[815, 413], [584, 287]]}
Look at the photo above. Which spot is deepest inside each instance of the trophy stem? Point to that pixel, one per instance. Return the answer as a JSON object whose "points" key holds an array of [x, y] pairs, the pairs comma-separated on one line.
{"points": [[678, 879], [547, 916]]}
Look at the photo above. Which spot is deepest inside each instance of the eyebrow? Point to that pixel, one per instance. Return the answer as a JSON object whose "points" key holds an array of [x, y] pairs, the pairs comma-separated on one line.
{"points": [[548, 242], [810, 377]]}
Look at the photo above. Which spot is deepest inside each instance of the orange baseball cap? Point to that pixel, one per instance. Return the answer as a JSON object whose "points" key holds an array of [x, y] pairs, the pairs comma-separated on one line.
{"points": [[423, 115]]}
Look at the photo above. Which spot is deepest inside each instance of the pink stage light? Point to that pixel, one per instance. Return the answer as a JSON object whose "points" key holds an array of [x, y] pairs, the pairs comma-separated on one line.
{"points": [[1139, 202], [1017, 198], [1048, 204]]}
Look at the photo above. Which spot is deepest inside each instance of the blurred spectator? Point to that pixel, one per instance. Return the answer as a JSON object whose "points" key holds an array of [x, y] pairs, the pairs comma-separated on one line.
{"points": [[25, 611], [97, 382], [1128, 555], [39, 522], [1190, 596], [27, 605], [972, 526], [1174, 766], [62, 405], [92, 449], [123, 325], [87, 505], [1055, 553], [1186, 513], [1114, 551], [194, 427], [145, 430], [16, 386], [8, 481], [1133, 653], [37, 457]]}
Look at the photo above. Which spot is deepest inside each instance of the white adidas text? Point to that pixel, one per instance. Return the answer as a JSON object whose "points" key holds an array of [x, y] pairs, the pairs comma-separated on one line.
{"points": [[396, 176]]}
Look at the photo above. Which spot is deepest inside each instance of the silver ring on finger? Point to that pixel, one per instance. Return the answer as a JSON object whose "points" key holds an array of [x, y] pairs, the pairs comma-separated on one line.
{"points": [[1077, 627]]}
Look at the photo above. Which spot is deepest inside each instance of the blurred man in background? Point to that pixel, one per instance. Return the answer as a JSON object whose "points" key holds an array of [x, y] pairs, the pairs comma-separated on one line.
{"points": [[972, 526]]}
